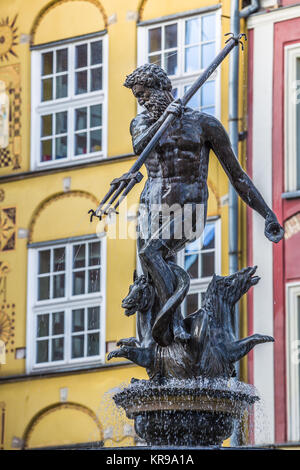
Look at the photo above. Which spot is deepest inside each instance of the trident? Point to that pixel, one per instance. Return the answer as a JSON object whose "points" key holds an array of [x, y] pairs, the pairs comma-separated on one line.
{"points": [[120, 187]]}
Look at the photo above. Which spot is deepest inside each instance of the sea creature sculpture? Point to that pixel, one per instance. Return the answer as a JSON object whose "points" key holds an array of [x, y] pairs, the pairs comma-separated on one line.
{"points": [[211, 350]]}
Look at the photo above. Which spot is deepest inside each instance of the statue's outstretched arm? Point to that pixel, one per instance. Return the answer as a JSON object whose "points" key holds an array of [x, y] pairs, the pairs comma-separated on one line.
{"points": [[220, 144]]}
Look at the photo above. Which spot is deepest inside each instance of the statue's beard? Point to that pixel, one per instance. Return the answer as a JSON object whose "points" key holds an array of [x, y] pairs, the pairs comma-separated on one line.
{"points": [[157, 103]]}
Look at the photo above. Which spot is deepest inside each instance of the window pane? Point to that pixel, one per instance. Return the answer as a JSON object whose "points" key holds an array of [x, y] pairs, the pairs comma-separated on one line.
{"points": [[80, 118], [44, 261], [154, 39], [78, 256], [193, 246], [93, 344], [94, 254], [96, 115], [62, 60], [81, 56], [59, 259], [46, 125], [93, 318], [209, 110], [43, 325], [175, 93], [78, 282], [46, 150], [155, 59], [44, 288], [47, 63], [191, 265], [192, 59], [96, 79], [207, 54], [42, 351], [77, 346], [78, 320], [208, 94], [47, 89], [59, 286], [61, 147], [208, 264], [191, 304], [298, 125], [192, 31], [58, 323], [171, 63], [171, 36], [61, 86], [57, 349], [209, 237], [81, 82], [208, 28], [61, 123], [94, 280], [96, 140], [96, 52], [81, 144], [194, 102]]}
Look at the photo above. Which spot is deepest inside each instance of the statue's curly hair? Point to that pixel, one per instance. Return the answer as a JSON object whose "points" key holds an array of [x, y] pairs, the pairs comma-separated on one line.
{"points": [[149, 75]]}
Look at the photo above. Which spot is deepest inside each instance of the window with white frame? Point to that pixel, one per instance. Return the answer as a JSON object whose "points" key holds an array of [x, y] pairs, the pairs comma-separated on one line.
{"points": [[201, 259], [66, 303], [293, 359], [292, 117], [69, 96], [185, 47]]}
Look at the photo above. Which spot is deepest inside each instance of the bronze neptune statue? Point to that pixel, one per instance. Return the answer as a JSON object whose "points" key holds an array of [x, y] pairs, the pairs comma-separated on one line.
{"points": [[176, 157]]}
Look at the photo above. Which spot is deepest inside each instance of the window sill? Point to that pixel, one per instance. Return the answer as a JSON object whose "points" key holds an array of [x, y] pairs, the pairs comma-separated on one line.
{"points": [[56, 373], [73, 166], [291, 195]]}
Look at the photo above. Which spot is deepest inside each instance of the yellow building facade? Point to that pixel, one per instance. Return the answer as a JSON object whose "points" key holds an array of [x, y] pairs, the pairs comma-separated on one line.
{"points": [[64, 135]]}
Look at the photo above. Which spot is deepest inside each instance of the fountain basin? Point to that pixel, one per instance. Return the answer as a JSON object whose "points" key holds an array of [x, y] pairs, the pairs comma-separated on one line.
{"points": [[196, 412]]}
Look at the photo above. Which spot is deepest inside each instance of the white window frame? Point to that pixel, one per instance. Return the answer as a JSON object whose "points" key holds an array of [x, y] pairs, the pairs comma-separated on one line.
{"points": [[199, 285], [39, 108], [292, 53], [67, 303], [293, 369], [187, 78]]}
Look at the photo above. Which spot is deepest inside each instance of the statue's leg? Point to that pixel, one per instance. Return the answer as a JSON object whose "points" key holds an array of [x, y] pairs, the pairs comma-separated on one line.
{"points": [[155, 255]]}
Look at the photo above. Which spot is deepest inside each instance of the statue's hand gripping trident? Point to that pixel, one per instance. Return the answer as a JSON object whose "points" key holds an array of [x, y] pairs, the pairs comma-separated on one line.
{"points": [[120, 187]]}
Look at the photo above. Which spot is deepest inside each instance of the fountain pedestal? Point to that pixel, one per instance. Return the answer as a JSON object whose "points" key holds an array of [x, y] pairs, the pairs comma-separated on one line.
{"points": [[192, 413]]}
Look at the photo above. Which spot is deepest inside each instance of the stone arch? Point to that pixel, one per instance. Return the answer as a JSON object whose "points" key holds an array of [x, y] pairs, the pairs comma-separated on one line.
{"points": [[55, 407], [141, 9], [55, 3], [55, 197]]}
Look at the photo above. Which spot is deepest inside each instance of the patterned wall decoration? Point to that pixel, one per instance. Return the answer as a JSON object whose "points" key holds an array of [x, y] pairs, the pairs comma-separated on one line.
{"points": [[4, 270], [7, 328], [2, 424], [8, 38], [11, 155], [7, 312], [7, 229]]}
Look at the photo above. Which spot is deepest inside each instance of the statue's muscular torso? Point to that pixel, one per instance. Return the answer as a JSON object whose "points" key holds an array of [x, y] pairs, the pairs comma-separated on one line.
{"points": [[177, 169]]}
